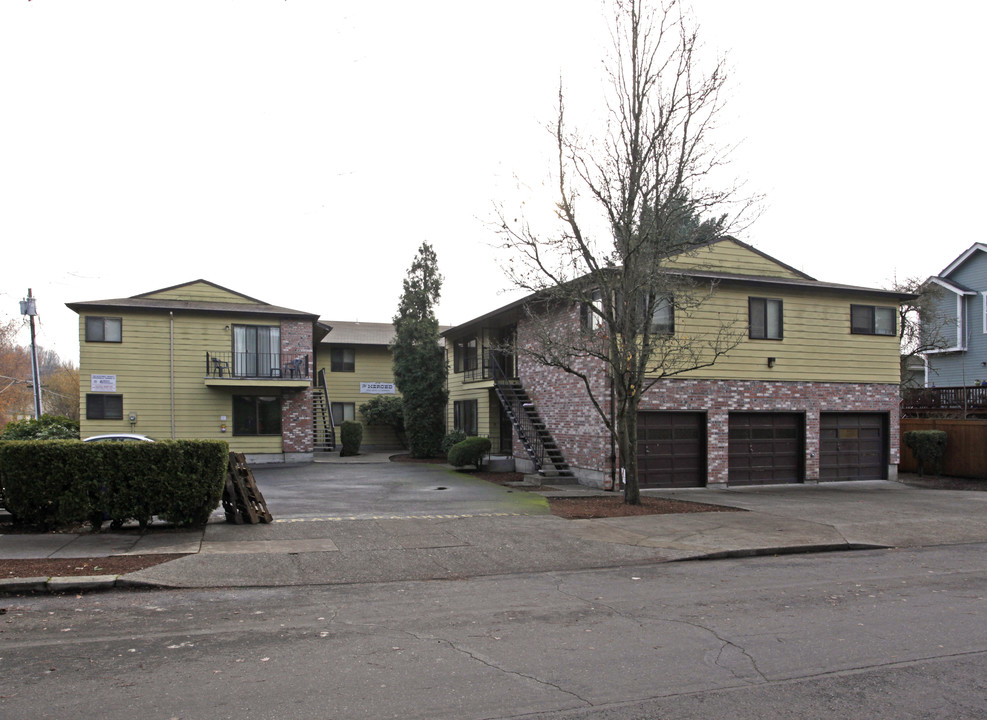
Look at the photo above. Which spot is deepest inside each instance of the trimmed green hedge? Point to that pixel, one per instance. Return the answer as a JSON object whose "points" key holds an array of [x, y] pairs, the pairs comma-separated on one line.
{"points": [[928, 447], [469, 452], [65, 482]]}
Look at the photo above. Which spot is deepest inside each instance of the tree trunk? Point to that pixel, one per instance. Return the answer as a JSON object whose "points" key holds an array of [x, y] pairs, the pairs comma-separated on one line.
{"points": [[627, 442]]}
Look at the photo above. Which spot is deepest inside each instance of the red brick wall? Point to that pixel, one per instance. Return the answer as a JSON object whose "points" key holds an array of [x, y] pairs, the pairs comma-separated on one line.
{"points": [[297, 421], [297, 429], [564, 405]]}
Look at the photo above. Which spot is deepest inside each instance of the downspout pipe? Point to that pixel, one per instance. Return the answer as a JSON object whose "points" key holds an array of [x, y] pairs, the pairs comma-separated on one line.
{"points": [[171, 361]]}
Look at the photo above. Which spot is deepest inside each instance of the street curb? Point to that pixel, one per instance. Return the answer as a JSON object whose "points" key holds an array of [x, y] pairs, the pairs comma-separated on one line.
{"points": [[54, 585], [784, 550]]}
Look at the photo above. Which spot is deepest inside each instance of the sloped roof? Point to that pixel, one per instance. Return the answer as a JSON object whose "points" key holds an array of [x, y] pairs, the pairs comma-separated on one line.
{"points": [[801, 280], [975, 248], [359, 333], [362, 333], [238, 304], [952, 286]]}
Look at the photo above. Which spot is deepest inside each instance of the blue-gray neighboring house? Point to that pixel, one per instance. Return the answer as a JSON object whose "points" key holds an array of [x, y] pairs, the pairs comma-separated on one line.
{"points": [[959, 319]]}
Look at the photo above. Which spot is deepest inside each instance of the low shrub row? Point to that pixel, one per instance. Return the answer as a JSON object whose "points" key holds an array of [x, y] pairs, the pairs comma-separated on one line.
{"points": [[64, 482]]}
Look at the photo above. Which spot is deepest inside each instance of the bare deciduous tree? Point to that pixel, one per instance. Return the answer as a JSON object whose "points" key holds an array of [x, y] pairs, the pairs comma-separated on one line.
{"points": [[630, 200], [922, 326]]}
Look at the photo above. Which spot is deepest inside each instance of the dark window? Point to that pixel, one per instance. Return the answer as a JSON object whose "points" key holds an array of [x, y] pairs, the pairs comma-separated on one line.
{"points": [[104, 407], [343, 359], [464, 355], [341, 412], [256, 350], [589, 312], [464, 416], [104, 329], [256, 415], [766, 321], [873, 320], [663, 317]]}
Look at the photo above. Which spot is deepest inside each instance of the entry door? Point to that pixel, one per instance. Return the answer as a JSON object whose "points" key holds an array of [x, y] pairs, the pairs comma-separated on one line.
{"points": [[765, 448], [671, 449]]}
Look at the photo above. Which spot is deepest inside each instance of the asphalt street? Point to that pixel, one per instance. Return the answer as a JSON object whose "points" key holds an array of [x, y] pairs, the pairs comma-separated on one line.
{"points": [[881, 633]]}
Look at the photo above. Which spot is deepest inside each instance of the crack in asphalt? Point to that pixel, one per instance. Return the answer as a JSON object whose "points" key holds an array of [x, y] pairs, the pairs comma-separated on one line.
{"points": [[491, 664], [725, 643]]}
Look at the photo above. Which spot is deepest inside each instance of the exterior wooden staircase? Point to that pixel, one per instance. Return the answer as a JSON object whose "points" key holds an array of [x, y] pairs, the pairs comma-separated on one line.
{"points": [[324, 430], [538, 442]]}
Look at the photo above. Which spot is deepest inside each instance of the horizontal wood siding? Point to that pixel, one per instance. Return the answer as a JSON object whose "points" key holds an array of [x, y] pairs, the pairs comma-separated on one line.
{"points": [[729, 256], [141, 363], [372, 363], [966, 446], [199, 292], [487, 406], [817, 344]]}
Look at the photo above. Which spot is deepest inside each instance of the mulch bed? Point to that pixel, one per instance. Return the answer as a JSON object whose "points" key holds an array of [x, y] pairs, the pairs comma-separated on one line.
{"points": [[596, 506], [75, 567], [944, 483]]}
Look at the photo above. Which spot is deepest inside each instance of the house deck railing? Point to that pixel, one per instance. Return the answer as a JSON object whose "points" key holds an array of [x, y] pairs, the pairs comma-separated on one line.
{"points": [[951, 401], [505, 362], [267, 366]]}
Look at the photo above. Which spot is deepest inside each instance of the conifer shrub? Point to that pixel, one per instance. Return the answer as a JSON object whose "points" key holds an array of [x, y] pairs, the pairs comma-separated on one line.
{"points": [[928, 447], [350, 436]]}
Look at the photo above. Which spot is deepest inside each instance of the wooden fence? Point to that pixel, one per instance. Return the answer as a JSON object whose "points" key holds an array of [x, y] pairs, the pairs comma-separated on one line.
{"points": [[966, 446]]}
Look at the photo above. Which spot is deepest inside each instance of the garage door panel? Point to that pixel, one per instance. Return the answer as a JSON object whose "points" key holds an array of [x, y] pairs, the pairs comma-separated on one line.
{"points": [[672, 450], [853, 446], [765, 448]]}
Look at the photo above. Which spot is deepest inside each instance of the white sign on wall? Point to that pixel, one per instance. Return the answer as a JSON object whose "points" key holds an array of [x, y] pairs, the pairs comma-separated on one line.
{"points": [[377, 388], [103, 383]]}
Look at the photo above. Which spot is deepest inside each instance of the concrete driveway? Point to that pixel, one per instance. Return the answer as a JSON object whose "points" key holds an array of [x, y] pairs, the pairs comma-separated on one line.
{"points": [[877, 513], [374, 488]]}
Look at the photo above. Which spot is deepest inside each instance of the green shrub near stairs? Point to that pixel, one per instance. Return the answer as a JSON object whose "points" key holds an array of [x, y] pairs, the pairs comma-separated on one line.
{"points": [[451, 438], [928, 447], [350, 436], [469, 452]]}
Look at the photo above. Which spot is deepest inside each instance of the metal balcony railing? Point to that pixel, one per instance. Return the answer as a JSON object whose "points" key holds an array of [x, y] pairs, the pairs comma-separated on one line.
{"points": [[267, 366]]}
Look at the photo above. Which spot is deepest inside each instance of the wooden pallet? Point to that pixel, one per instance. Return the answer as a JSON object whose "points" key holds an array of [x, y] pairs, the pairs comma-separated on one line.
{"points": [[242, 501]]}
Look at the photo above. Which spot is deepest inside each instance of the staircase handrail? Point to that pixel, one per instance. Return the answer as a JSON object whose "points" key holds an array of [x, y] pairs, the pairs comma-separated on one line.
{"points": [[514, 405]]}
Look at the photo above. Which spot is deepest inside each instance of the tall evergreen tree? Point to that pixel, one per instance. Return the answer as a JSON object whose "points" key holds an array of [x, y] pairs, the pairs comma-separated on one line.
{"points": [[419, 362]]}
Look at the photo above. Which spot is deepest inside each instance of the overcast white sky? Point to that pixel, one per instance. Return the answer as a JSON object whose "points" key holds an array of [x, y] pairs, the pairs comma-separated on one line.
{"points": [[299, 151]]}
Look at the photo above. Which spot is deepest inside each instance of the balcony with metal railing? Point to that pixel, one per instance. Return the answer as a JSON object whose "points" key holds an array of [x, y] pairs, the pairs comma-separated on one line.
{"points": [[227, 367], [474, 371]]}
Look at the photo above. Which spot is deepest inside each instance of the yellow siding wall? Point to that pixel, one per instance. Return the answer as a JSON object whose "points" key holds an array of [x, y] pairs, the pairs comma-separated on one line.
{"points": [[141, 364], [373, 363], [731, 257], [487, 408], [817, 344], [198, 292]]}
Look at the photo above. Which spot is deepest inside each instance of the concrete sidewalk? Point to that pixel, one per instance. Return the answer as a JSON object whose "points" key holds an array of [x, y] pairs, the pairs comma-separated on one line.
{"points": [[390, 547]]}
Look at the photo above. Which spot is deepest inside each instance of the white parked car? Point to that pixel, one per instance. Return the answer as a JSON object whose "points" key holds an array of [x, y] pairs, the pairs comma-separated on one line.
{"points": [[119, 437]]}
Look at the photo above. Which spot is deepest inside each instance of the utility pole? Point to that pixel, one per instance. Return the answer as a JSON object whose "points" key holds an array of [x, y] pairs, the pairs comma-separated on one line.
{"points": [[30, 309]]}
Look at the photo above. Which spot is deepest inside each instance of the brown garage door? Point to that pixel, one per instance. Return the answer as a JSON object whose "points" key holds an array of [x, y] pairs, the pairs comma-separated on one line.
{"points": [[853, 446], [765, 448], [671, 449]]}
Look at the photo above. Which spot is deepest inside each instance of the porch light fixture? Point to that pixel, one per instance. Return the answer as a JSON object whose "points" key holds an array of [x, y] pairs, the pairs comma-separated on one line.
{"points": [[771, 362]]}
